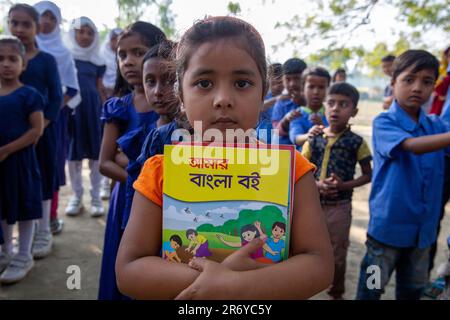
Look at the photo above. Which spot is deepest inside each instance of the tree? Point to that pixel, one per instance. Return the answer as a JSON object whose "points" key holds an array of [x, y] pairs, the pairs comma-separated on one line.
{"points": [[336, 22], [234, 8]]}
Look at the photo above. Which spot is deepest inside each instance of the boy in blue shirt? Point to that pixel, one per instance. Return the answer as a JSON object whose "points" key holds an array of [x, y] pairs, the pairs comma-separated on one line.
{"points": [[309, 121], [409, 151], [292, 80], [336, 153]]}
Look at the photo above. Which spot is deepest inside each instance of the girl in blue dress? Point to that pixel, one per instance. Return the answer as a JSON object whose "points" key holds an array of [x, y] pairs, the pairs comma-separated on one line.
{"points": [[85, 125], [42, 74], [21, 125], [50, 40], [121, 115]]}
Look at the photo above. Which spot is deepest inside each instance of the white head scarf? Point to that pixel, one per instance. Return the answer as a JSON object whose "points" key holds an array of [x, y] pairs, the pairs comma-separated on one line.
{"points": [[110, 57], [90, 54], [52, 43]]}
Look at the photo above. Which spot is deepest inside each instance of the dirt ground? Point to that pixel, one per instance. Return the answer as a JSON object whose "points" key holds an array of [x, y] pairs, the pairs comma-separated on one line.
{"points": [[81, 245]]}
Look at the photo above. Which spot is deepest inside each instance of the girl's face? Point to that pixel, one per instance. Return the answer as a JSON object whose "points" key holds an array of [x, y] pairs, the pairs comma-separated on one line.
{"points": [[130, 53], [249, 235], [222, 87], [47, 22], [85, 36], [22, 26], [315, 91], [113, 43], [11, 63], [158, 86]]}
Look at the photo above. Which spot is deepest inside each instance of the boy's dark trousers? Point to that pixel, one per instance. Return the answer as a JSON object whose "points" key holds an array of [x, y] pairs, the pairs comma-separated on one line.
{"points": [[338, 215], [445, 198]]}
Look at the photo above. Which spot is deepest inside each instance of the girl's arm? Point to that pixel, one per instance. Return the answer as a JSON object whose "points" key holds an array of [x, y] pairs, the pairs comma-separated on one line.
{"points": [[427, 144], [55, 95], [28, 138], [108, 151], [228, 243], [101, 90], [141, 272], [307, 272]]}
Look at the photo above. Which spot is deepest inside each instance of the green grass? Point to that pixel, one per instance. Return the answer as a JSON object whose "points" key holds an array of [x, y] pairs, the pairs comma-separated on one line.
{"points": [[211, 236]]}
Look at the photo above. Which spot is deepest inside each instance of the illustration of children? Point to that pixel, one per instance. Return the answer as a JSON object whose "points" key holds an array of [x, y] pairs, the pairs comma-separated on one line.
{"points": [[276, 242], [198, 245], [170, 249], [248, 233]]}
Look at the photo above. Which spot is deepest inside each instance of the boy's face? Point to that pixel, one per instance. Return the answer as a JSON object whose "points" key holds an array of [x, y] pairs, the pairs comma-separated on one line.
{"points": [[315, 91], [339, 109], [387, 68], [174, 245], [277, 232], [276, 86], [293, 84], [412, 90]]}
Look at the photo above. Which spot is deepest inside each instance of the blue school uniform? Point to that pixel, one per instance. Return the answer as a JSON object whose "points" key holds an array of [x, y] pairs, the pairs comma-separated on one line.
{"points": [[264, 129], [406, 194], [280, 109], [85, 126], [20, 179], [303, 124], [122, 112], [42, 74]]}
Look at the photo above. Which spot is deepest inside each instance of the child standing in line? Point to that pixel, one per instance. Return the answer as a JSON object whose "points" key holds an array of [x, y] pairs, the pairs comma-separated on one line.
{"points": [[336, 153], [21, 125], [121, 115], [292, 81], [42, 74], [85, 124], [223, 96], [50, 40], [310, 120], [386, 65], [409, 151]]}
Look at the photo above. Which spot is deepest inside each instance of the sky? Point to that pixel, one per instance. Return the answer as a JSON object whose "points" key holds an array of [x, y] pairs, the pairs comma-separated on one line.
{"points": [[263, 17]]}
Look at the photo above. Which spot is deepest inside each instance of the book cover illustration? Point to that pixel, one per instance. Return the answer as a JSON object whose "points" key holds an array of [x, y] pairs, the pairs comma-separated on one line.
{"points": [[219, 198]]}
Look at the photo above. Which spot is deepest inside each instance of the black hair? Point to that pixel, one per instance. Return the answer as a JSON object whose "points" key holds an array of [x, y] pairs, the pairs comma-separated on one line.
{"points": [[164, 50], [339, 71], [275, 70], [418, 59], [280, 225], [150, 35], [388, 58], [347, 90], [191, 231], [217, 28], [294, 65], [177, 239], [31, 11], [250, 227], [14, 41], [316, 71]]}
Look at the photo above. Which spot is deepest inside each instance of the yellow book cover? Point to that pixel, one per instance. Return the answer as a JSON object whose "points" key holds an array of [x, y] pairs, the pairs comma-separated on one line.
{"points": [[218, 198]]}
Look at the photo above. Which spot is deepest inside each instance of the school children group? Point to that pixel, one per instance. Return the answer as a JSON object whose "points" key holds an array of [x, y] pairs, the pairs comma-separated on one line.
{"points": [[117, 106]]}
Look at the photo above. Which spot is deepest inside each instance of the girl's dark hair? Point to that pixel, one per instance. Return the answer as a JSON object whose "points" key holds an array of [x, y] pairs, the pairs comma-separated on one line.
{"points": [[150, 35], [177, 239], [316, 71], [339, 71], [250, 227], [280, 225], [164, 50], [31, 11], [418, 59], [14, 41], [347, 90], [191, 231], [213, 29]]}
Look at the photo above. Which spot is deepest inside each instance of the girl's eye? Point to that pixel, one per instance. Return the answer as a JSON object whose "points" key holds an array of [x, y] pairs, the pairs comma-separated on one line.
{"points": [[242, 84], [122, 56], [204, 84], [150, 82]]}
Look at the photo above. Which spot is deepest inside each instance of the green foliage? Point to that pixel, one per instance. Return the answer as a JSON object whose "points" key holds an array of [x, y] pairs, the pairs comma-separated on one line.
{"points": [[234, 8]]}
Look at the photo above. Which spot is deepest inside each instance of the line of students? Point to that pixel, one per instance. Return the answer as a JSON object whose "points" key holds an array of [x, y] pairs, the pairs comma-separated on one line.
{"points": [[145, 112]]}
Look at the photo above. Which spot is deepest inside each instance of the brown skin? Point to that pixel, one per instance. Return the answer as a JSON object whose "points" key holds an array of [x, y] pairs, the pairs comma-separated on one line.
{"points": [[11, 66], [47, 22], [276, 87], [131, 52], [387, 70], [412, 90], [293, 84], [234, 90]]}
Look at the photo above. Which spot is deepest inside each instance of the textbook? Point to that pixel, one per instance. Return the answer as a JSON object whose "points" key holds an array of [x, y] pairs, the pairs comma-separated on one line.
{"points": [[218, 198]]}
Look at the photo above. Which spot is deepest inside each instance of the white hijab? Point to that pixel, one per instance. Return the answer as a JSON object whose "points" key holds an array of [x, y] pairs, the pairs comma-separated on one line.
{"points": [[90, 54], [52, 43], [110, 57]]}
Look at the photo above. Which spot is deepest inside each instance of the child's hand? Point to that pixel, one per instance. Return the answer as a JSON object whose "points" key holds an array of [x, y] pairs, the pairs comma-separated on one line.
{"points": [[294, 114], [121, 159], [240, 260], [283, 97], [258, 225], [337, 182], [3, 154], [326, 188], [316, 119], [315, 131], [215, 282]]}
